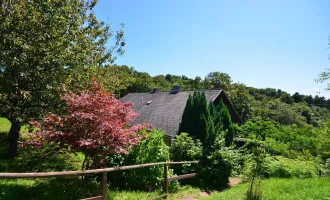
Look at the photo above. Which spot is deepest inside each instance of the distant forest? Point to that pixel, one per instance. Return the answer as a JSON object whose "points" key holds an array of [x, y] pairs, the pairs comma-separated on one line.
{"points": [[269, 103]]}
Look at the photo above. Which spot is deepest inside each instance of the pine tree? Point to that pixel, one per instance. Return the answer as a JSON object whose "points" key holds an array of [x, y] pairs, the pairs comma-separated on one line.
{"points": [[226, 123], [204, 113], [187, 120], [195, 116], [221, 106], [205, 121], [212, 109]]}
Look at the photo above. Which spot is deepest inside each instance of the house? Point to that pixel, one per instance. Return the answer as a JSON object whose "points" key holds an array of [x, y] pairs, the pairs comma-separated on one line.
{"points": [[163, 110]]}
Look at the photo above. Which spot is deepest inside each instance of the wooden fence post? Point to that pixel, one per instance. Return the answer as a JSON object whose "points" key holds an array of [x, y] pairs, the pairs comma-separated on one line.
{"points": [[165, 179], [104, 185]]}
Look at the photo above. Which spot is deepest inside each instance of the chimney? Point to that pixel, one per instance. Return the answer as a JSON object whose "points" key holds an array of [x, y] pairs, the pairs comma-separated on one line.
{"points": [[176, 89], [155, 90]]}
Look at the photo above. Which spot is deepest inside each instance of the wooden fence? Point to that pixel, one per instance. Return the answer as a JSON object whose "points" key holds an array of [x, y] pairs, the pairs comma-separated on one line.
{"points": [[104, 172]]}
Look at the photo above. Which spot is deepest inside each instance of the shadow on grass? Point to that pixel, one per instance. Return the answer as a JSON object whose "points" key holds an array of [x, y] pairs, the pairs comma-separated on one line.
{"points": [[56, 189]]}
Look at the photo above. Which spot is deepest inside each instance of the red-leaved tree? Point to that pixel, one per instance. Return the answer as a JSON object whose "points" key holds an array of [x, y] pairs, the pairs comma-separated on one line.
{"points": [[95, 124]]}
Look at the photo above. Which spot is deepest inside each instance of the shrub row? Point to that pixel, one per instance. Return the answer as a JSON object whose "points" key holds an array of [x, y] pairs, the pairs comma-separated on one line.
{"points": [[282, 167]]}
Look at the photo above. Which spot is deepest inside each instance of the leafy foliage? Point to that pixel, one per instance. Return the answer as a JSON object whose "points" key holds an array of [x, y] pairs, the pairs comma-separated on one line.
{"points": [[95, 124], [296, 142], [217, 164], [43, 44], [217, 80], [47, 47], [240, 97], [151, 149], [184, 148], [282, 167]]}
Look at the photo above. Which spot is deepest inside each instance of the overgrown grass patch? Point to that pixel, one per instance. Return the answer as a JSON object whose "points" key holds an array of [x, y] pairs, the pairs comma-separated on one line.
{"points": [[288, 189]]}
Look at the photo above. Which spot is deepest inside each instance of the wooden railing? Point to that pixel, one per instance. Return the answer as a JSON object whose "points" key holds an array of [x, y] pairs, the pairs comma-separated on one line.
{"points": [[104, 172]]}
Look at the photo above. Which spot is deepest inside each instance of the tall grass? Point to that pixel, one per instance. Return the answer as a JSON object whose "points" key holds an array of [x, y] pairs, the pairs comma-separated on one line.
{"points": [[288, 189]]}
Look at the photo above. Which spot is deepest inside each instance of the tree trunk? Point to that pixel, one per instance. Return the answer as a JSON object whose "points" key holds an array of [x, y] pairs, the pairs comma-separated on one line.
{"points": [[13, 139]]}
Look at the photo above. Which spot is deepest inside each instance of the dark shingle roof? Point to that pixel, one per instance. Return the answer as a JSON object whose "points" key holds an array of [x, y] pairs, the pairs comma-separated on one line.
{"points": [[165, 110]]}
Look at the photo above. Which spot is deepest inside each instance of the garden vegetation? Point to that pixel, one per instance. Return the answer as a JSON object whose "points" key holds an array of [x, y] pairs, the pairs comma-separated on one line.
{"points": [[61, 110]]}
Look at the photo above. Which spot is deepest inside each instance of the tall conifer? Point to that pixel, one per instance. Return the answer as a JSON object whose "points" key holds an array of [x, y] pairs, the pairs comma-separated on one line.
{"points": [[205, 121], [187, 120]]}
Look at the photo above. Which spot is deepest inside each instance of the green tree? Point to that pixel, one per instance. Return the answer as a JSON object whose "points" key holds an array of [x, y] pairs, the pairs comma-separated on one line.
{"points": [[217, 80], [143, 82], [297, 97], [286, 98], [241, 100], [161, 83], [204, 121], [193, 118], [226, 123], [44, 44], [187, 118], [197, 83], [117, 79]]}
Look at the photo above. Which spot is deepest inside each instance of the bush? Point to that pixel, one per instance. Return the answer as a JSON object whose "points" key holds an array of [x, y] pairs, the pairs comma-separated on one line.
{"points": [[151, 149], [288, 168], [217, 164], [184, 148]]}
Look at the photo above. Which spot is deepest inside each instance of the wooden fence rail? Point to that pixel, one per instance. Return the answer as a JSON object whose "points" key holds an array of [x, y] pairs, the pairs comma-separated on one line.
{"points": [[104, 172]]}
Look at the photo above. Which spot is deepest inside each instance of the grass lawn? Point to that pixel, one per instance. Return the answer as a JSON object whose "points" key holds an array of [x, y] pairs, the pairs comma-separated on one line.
{"points": [[288, 189], [75, 188], [5, 126]]}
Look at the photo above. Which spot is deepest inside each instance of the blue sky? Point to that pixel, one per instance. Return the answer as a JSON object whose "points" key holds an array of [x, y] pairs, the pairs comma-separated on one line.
{"points": [[278, 44]]}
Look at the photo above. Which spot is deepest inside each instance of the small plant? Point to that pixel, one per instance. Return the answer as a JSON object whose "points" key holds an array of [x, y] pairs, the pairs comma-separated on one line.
{"points": [[257, 168]]}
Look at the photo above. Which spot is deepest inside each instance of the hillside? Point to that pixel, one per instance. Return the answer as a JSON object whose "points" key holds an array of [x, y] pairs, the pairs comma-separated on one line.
{"points": [[296, 126]]}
